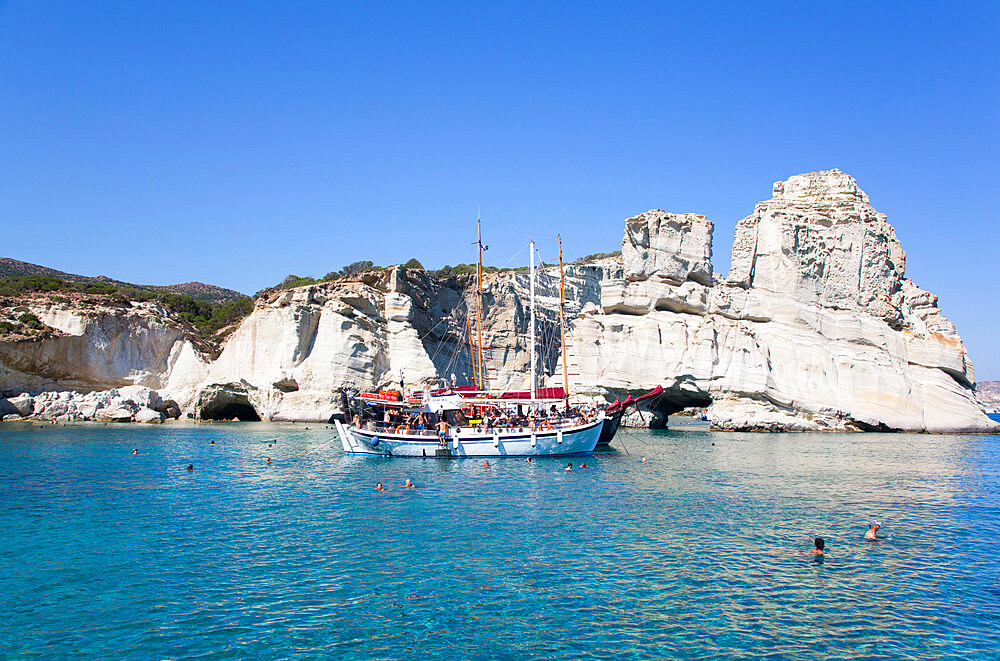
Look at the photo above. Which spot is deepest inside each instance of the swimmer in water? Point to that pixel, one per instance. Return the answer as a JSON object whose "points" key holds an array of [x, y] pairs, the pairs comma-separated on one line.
{"points": [[190, 467], [569, 466], [409, 484], [643, 460], [528, 460], [378, 487], [212, 443], [268, 460], [584, 465], [818, 547], [871, 534], [486, 464], [135, 450]]}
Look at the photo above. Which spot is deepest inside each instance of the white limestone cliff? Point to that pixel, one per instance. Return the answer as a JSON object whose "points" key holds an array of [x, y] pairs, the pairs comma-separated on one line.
{"points": [[99, 347], [815, 328]]}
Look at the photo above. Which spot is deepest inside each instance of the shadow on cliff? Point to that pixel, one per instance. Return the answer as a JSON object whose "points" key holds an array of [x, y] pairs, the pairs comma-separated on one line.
{"points": [[226, 402]]}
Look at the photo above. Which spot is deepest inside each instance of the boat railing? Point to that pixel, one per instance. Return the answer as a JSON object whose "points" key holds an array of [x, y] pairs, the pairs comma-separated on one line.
{"points": [[539, 426]]}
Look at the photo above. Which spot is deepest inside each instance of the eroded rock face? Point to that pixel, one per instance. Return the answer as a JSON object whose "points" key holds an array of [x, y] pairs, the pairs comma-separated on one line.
{"points": [[989, 394], [127, 404], [815, 328], [99, 348]]}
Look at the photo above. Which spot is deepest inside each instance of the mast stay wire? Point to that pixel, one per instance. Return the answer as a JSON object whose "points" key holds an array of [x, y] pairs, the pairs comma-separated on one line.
{"points": [[452, 319]]}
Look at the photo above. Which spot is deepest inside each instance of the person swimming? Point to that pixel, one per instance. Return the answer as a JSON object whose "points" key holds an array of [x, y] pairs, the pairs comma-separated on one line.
{"points": [[378, 487], [584, 465], [409, 484], [818, 546], [569, 466], [135, 450], [268, 460], [190, 467], [872, 533], [486, 464]]}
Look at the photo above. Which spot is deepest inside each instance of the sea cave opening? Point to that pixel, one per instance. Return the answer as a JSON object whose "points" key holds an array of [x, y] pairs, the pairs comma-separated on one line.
{"points": [[655, 410], [243, 412]]}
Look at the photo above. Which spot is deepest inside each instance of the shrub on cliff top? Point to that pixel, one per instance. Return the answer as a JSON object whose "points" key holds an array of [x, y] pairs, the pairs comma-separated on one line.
{"points": [[293, 281], [464, 269], [30, 320], [596, 256]]}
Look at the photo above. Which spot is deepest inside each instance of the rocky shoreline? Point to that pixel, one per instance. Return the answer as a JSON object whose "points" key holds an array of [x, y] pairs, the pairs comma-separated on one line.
{"points": [[126, 404], [815, 328]]}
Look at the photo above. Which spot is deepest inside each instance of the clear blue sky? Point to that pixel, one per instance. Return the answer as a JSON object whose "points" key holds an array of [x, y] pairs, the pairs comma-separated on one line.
{"points": [[238, 142]]}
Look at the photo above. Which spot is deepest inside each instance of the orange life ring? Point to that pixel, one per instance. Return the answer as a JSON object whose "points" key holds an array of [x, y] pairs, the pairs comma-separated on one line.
{"points": [[402, 429], [544, 424]]}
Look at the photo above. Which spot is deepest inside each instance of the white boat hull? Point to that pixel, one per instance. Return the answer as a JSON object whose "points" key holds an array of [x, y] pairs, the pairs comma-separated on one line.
{"points": [[580, 439]]}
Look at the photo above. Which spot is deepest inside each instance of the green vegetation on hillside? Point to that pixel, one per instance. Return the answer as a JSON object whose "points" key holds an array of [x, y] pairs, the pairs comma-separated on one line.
{"points": [[465, 269], [350, 272], [206, 317], [596, 256], [30, 320]]}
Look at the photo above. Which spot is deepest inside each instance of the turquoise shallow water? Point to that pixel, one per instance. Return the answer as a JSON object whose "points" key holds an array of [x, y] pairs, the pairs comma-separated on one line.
{"points": [[696, 553]]}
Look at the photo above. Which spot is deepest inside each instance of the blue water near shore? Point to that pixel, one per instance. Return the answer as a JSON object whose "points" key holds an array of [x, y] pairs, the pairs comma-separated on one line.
{"points": [[696, 553]]}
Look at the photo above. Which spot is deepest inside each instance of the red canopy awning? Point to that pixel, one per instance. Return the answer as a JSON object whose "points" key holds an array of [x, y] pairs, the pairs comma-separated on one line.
{"points": [[540, 393]]}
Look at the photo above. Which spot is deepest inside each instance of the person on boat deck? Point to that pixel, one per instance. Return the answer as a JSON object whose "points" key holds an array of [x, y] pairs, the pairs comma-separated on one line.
{"points": [[442, 431], [387, 418]]}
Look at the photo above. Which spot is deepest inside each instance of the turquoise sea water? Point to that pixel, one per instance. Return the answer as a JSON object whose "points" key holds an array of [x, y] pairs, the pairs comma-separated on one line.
{"points": [[696, 553]]}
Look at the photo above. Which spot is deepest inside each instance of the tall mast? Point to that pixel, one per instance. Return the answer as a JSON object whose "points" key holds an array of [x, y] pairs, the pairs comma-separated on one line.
{"points": [[479, 302], [472, 353], [562, 324], [532, 333]]}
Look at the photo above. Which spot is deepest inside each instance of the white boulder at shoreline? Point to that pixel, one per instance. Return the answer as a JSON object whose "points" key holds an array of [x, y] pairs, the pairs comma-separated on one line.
{"points": [[126, 404]]}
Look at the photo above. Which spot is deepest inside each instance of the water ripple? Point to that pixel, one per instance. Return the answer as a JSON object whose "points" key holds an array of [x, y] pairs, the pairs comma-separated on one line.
{"points": [[698, 553]]}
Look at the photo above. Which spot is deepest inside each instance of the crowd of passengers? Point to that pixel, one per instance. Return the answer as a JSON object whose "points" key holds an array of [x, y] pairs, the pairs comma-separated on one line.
{"points": [[497, 420]]}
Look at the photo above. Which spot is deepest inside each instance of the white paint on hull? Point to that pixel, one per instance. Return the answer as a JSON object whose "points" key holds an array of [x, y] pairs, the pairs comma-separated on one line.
{"points": [[576, 440]]}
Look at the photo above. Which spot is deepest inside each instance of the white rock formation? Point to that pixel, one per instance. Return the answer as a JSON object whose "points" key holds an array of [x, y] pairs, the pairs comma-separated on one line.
{"points": [[99, 348], [989, 394], [816, 327], [127, 404]]}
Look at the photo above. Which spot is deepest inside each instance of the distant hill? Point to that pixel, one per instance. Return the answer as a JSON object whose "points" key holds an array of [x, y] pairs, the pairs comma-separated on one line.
{"points": [[989, 393], [13, 268]]}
